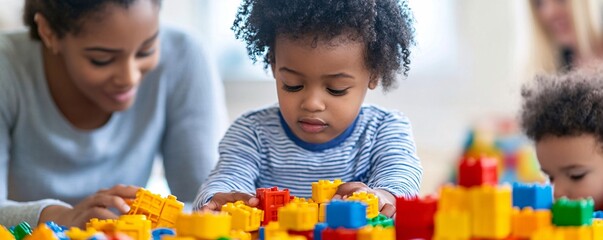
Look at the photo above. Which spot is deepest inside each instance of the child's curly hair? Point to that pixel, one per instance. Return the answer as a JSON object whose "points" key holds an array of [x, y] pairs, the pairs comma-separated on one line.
{"points": [[386, 26], [564, 105]]}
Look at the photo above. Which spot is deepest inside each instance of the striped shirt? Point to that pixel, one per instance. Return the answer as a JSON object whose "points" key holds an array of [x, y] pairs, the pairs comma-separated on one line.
{"points": [[260, 151]]}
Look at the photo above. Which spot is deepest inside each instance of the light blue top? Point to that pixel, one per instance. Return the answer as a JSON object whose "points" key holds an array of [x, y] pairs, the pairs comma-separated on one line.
{"points": [[259, 150], [179, 113]]}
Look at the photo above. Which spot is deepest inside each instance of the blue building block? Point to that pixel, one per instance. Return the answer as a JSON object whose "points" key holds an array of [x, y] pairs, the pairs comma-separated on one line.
{"points": [[536, 196], [350, 215], [158, 233], [261, 234], [598, 214], [318, 228], [59, 231]]}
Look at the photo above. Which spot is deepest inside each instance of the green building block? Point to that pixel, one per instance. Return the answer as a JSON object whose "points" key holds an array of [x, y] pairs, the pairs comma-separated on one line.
{"points": [[573, 212], [21, 231], [381, 220], [224, 238]]}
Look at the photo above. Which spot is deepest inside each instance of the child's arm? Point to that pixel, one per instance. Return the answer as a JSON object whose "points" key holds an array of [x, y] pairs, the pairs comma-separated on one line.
{"points": [[235, 175]]}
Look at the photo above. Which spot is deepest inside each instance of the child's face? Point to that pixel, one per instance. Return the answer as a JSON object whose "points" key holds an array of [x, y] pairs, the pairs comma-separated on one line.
{"points": [[574, 165], [320, 88]]}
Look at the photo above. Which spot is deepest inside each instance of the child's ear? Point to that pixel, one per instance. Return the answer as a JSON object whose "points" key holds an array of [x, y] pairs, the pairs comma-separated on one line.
{"points": [[373, 82]]}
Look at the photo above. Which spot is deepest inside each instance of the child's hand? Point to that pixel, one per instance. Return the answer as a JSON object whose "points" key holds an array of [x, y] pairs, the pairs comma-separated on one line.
{"points": [[219, 199], [94, 206], [387, 201]]}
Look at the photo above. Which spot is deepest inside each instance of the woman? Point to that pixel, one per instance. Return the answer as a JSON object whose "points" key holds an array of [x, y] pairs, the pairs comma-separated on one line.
{"points": [[566, 34], [86, 103]]}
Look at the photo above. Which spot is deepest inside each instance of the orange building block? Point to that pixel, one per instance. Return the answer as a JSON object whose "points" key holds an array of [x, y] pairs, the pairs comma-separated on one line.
{"points": [[5, 234], [527, 221], [322, 212], [244, 217], [324, 190], [301, 216], [550, 233], [136, 227], [576, 233], [162, 212], [271, 199], [371, 201], [204, 225], [452, 225], [42, 232], [491, 208]]}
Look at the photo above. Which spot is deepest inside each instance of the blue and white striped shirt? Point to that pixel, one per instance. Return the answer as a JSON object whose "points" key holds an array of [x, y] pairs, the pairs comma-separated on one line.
{"points": [[260, 151]]}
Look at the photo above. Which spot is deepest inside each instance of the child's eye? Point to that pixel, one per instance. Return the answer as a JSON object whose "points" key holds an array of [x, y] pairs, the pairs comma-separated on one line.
{"points": [[101, 63], [551, 179], [292, 88], [577, 177], [145, 53], [336, 92]]}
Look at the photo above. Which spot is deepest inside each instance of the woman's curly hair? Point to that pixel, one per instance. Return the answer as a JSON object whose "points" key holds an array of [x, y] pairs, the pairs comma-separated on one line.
{"points": [[386, 26], [564, 105]]}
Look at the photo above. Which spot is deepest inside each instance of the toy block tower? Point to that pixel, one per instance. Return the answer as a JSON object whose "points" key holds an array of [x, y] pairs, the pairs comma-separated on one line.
{"points": [[271, 199]]}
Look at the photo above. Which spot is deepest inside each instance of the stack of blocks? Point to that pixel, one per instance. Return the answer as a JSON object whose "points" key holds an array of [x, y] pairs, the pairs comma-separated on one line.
{"points": [[162, 212], [271, 199]]}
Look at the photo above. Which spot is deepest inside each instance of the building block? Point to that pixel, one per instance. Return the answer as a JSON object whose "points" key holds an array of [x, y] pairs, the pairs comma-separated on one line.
{"points": [[350, 215], [478, 171], [159, 233], [137, 227], [244, 217], [371, 201], [5, 234], [271, 230], [598, 214], [339, 234], [162, 212], [270, 200], [309, 234], [21, 230], [376, 233], [452, 224], [79, 234], [536, 196], [318, 230], [573, 212], [324, 190], [454, 198], [177, 238], [527, 221], [204, 225], [578, 233], [547, 234], [491, 209], [415, 212], [240, 235], [381, 220], [597, 228], [322, 212], [59, 231], [300, 216], [42, 232]]}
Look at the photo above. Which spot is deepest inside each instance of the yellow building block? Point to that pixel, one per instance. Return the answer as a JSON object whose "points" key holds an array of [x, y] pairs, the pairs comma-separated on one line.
{"points": [[452, 225], [79, 234], [576, 233], [177, 238], [107, 226], [135, 226], [204, 225], [550, 233], [240, 235], [322, 212], [377, 233], [5, 234], [491, 208], [527, 221], [597, 228], [454, 198], [272, 230], [324, 190], [301, 216], [244, 217], [371, 201], [162, 212], [42, 232], [285, 236]]}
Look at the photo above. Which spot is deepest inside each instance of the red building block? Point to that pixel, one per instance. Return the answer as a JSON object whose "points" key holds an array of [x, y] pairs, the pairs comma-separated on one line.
{"points": [[476, 172], [309, 235], [270, 200], [414, 217], [339, 234]]}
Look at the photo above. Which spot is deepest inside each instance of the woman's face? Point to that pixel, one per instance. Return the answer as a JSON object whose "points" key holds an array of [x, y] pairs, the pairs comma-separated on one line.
{"points": [[107, 59], [555, 16]]}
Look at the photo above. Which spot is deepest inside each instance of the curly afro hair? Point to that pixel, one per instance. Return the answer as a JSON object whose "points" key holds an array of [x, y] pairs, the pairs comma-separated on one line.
{"points": [[386, 26], [65, 16], [564, 105]]}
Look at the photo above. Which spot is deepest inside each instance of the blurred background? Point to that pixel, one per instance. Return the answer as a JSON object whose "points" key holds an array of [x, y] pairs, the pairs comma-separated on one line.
{"points": [[466, 69]]}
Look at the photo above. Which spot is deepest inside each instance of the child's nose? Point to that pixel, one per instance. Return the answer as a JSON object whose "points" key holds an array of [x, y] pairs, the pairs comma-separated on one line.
{"points": [[313, 103], [561, 191]]}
